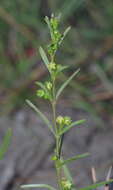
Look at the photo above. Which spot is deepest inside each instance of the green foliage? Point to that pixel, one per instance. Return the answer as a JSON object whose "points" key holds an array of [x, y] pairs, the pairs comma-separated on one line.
{"points": [[94, 186], [22, 26], [64, 130], [43, 117], [60, 124], [39, 186], [44, 57], [66, 83], [64, 162]]}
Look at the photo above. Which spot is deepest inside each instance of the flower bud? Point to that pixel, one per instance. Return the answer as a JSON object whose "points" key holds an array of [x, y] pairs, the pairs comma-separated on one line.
{"points": [[60, 120], [54, 23], [49, 85], [52, 66], [40, 93], [67, 120], [66, 184]]}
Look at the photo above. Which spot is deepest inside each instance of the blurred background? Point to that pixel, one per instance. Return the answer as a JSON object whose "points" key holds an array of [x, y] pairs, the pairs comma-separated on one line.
{"points": [[88, 46]]}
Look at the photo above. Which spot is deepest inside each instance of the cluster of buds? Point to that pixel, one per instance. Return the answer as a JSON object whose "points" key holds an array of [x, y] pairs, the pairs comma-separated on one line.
{"points": [[55, 34], [48, 85], [66, 184], [52, 66], [63, 120], [46, 91]]}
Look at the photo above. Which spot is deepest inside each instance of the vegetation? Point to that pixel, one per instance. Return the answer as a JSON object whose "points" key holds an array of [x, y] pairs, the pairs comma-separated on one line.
{"points": [[60, 124], [89, 46]]}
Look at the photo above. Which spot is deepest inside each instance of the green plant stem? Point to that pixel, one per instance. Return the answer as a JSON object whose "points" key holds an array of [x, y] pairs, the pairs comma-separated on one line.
{"points": [[58, 170]]}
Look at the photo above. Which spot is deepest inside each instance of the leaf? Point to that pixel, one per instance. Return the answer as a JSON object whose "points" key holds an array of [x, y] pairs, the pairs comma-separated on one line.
{"points": [[66, 31], [6, 141], [43, 56], [74, 158], [94, 186], [71, 125], [66, 83], [43, 117], [38, 185], [64, 34], [47, 21], [62, 68], [41, 85], [49, 26], [67, 173]]}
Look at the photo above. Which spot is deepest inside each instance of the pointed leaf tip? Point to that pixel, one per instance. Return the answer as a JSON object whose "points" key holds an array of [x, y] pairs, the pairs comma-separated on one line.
{"points": [[94, 186], [42, 116], [44, 56], [66, 83]]}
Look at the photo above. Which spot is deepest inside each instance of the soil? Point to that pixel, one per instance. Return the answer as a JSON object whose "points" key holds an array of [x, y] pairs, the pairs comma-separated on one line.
{"points": [[28, 157]]}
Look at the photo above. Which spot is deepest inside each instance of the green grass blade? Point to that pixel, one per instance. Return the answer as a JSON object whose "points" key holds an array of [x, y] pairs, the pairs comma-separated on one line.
{"points": [[5, 144], [75, 158], [71, 126], [94, 186], [38, 186], [44, 57], [43, 117], [66, 83]]}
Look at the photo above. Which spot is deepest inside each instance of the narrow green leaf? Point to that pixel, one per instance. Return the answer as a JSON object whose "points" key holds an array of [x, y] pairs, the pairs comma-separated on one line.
{"points": [[43, 117], [62, 68], [49, 26], [64, 34], [41, 85], [38, 185], [94, 186], [67, 173], [66, 31], [47, 21], [71, 126], [66, 83], [5, 144], [75, 158], [43, 56]]}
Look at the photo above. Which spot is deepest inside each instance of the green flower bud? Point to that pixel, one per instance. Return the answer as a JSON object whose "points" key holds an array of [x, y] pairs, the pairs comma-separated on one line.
{"points": [[52, 66], [66, 184], [49, 85], [60, 120], [67, 120], [54, 23], [46, 96], [40, 93], [53, 157]]}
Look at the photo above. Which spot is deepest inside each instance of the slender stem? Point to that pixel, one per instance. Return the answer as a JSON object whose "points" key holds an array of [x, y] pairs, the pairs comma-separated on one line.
{"points": [[58, 170]]}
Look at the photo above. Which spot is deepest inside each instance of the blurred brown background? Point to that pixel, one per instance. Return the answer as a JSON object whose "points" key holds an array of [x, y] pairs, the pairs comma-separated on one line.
{"points": [[88, 46]]}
